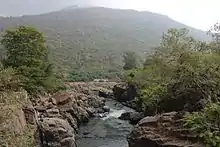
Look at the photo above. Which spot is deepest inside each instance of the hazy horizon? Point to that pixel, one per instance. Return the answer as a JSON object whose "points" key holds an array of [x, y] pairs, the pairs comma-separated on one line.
{"points": [[198, 14]]}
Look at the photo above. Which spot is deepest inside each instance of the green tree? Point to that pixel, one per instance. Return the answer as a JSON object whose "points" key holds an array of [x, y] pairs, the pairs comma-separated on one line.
{"points": [[28, 55], [130, 61]]}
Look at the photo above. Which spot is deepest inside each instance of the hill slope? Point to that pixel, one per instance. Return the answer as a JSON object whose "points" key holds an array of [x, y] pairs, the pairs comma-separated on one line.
{"points": [[96, 37]]}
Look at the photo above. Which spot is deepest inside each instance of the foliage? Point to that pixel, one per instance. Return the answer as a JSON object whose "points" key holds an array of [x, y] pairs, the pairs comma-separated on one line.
{"points": [[182, 74], [197, 77], [9, 80], [28, 55], [206, 123]]}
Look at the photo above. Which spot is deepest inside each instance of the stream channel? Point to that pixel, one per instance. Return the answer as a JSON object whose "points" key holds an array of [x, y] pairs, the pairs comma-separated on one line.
{"points": [[108, 131]]}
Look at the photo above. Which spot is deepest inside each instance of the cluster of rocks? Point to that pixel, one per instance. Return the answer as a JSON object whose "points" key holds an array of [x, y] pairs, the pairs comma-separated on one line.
{"points": [[59, 116], [165, 130]]}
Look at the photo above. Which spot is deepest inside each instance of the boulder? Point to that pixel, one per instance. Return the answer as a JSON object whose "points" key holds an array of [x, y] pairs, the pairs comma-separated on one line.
{"points": [[124, 93], [57, 132], [133, 117], [106, 109], [125, 116], [119, 92], [96, 101]]}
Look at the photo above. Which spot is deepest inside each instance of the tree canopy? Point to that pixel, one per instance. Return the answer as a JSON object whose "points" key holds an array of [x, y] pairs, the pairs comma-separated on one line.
{"points": [[26, 52]]}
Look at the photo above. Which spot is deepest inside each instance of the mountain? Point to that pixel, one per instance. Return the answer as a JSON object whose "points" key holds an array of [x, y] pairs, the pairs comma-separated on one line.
{"points": [[96, 37]]}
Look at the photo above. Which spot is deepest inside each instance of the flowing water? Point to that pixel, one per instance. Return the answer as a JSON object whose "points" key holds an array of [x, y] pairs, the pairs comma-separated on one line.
{"points": [[108, 131]]}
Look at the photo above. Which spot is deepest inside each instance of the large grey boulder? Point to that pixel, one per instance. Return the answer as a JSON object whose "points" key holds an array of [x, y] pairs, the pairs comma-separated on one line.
{"points": [[57, 132]]}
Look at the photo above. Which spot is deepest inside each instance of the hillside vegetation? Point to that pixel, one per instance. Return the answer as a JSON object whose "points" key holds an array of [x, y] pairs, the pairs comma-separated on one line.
{"points": [[183, 75], [96, 37]]}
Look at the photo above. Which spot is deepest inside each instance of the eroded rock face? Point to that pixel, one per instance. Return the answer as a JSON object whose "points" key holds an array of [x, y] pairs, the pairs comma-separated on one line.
{"points": [[162, 131]]}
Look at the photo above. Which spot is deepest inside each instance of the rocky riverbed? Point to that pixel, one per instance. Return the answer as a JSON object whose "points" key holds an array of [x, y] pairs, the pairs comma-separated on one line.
{"points": [[108, 131], [59, 116], [87, 115]]}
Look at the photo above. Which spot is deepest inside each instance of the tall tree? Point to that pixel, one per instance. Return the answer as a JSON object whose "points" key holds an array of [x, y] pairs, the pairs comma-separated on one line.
{"points": [[130, 60], [28, 55]]}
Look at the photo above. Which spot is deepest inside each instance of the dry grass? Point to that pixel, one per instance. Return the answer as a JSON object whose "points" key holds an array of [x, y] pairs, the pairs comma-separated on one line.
{"points": [[13, 129]]}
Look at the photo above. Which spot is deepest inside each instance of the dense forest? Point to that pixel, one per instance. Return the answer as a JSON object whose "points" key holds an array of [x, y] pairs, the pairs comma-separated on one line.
{"points": [[99, 37]]}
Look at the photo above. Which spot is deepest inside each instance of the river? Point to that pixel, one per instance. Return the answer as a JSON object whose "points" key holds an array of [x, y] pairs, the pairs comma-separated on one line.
{"points": [[108, 131]]}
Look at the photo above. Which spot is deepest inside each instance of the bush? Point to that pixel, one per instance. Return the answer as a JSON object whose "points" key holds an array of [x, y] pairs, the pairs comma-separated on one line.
{"points": [[179, 73], [206, 123], [9, 80]]}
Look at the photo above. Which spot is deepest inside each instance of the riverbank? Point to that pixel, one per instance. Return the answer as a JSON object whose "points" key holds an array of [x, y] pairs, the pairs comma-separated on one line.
{"points": [[59, 116]]}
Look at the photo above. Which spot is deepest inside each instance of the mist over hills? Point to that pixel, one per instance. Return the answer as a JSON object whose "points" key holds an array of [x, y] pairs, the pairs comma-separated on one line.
{"points": [[30, 7], [96, 37]]}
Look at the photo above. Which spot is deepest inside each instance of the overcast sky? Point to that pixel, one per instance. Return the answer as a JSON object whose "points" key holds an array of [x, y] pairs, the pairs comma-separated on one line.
{"points": [[197, 13], [200, 14]]}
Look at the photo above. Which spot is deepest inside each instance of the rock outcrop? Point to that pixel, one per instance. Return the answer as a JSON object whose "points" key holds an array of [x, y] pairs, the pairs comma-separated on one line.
{"points": [[60, 115], [133, 117], [164, 130], [124, 93]]}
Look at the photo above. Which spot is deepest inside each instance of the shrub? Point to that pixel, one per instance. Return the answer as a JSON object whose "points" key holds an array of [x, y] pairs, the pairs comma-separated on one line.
{"points": [[206, 123]]}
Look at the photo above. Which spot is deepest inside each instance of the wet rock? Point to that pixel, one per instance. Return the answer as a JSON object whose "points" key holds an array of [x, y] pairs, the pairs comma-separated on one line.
{"points": [[106, 109], [91, 111], [125, 116], [126, 94], [164, 130], [133, 117], [85, 133], [134, 105], [100, 110], [101, 115], [119, 92]]}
